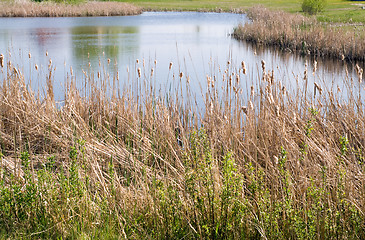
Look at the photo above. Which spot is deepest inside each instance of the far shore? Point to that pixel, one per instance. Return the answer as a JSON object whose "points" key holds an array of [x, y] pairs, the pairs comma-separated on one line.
{"points": [[48, 9]]}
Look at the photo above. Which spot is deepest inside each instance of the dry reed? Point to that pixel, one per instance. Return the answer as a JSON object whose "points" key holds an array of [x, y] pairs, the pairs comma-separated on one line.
{"points": [[49, 9], [161, 164], [298, 33]]}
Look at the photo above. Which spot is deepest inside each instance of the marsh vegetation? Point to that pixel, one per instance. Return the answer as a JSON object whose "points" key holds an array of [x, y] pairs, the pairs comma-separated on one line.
{"points": [[53, 9], [271, 160], [301, 34]]}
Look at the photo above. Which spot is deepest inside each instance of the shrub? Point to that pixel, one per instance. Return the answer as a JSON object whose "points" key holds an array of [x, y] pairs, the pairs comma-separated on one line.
{"points": [[313, 6]]}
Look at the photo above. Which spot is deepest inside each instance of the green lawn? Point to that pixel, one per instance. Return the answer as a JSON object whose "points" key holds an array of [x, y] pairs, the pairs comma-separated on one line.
{"points": [[336, 10]]}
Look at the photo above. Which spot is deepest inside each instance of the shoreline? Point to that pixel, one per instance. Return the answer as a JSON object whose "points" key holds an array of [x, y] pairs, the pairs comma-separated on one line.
{"points": [[87, 9], [301, 34]]}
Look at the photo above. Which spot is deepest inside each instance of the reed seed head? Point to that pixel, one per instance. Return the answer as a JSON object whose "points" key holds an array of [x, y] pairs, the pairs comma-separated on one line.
{"points": [[314, 67], [243, 67], [263, 65], [2, 60], [316, 85]]}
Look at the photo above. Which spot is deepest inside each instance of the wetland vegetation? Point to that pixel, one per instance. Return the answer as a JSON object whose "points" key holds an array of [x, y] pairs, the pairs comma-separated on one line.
{"points": [[274, 160], [259, 158]]}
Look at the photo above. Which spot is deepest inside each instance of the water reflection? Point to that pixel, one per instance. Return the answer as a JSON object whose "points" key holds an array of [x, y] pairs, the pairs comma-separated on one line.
{"points": [[197, 43], [91, 42]]}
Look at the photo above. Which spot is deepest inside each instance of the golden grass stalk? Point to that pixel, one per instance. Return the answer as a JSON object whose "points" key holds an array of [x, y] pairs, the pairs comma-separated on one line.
{"points": [[49, 9]]}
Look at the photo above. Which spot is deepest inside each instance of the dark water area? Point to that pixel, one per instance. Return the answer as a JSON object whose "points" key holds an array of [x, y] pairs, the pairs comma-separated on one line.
{"points": [[198, 44]]}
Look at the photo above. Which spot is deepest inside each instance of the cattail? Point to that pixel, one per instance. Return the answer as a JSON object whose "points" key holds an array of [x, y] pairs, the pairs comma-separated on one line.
{"points": [[229, 62], [46, 53], [170, 66], [139, 72], [98, 74], [208, 80], [243, 67], [316, 86], [50, 63], [237, 79], [263, 65], [118, 75], [137, 61], [252, 91], [108, 61], [152, 72], [71, 71], [305, 73], [250, 105], [2, 60], [359, 72], [314, 67], [155, 62], [181, 75], [283, 89], [29, 55], [36, 67]]}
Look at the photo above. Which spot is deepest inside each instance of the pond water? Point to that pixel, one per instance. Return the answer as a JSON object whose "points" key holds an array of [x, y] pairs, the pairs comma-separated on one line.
{"points": [[196, 43]]}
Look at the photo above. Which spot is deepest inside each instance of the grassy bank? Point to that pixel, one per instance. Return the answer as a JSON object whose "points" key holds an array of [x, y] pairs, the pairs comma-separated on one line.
{"points": [[335, 10], [302, 34], [273, 160], [50, 9]]}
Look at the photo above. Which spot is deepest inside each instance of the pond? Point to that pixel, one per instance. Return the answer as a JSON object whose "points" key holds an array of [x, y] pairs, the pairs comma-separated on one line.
{"points": [[198, 44]]}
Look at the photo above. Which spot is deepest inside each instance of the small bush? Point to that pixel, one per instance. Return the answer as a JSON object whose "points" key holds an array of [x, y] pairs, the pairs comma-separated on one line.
{"points": [[313, 6]]}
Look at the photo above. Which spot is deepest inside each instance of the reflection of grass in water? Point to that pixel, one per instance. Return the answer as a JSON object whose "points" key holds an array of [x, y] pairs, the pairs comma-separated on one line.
{"points": [[273, 161], [95, 36]]}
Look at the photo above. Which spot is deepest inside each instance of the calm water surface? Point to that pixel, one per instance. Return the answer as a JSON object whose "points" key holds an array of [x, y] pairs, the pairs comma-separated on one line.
{"points": [[197, 43]]}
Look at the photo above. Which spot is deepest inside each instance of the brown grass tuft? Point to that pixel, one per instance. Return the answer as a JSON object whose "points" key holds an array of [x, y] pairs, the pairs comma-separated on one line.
{"points": [[49, 9]]}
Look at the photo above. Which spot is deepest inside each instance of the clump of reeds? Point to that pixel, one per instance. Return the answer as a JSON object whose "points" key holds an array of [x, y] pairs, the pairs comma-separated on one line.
{"points": [[50, 9], [301, 34], [272, 160]]}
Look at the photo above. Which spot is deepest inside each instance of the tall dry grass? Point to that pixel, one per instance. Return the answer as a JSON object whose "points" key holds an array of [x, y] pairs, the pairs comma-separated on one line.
{"points": [[49, 9], [301, 34], [272, 160]]}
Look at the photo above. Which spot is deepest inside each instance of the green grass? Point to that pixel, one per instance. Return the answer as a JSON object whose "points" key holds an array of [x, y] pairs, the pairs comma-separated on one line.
{"points": [[335, 10]]}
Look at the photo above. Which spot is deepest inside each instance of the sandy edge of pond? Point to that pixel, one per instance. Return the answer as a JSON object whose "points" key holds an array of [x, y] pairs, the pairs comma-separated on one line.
{"points": [[48, 9]]}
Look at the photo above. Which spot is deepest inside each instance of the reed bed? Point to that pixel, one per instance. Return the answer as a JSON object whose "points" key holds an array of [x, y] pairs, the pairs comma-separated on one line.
{"points": [[294, 32], [270, 160], [50, 9]]}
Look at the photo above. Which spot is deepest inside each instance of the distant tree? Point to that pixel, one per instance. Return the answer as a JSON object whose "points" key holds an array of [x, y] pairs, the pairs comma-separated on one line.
{"points": [[313, 6]]}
